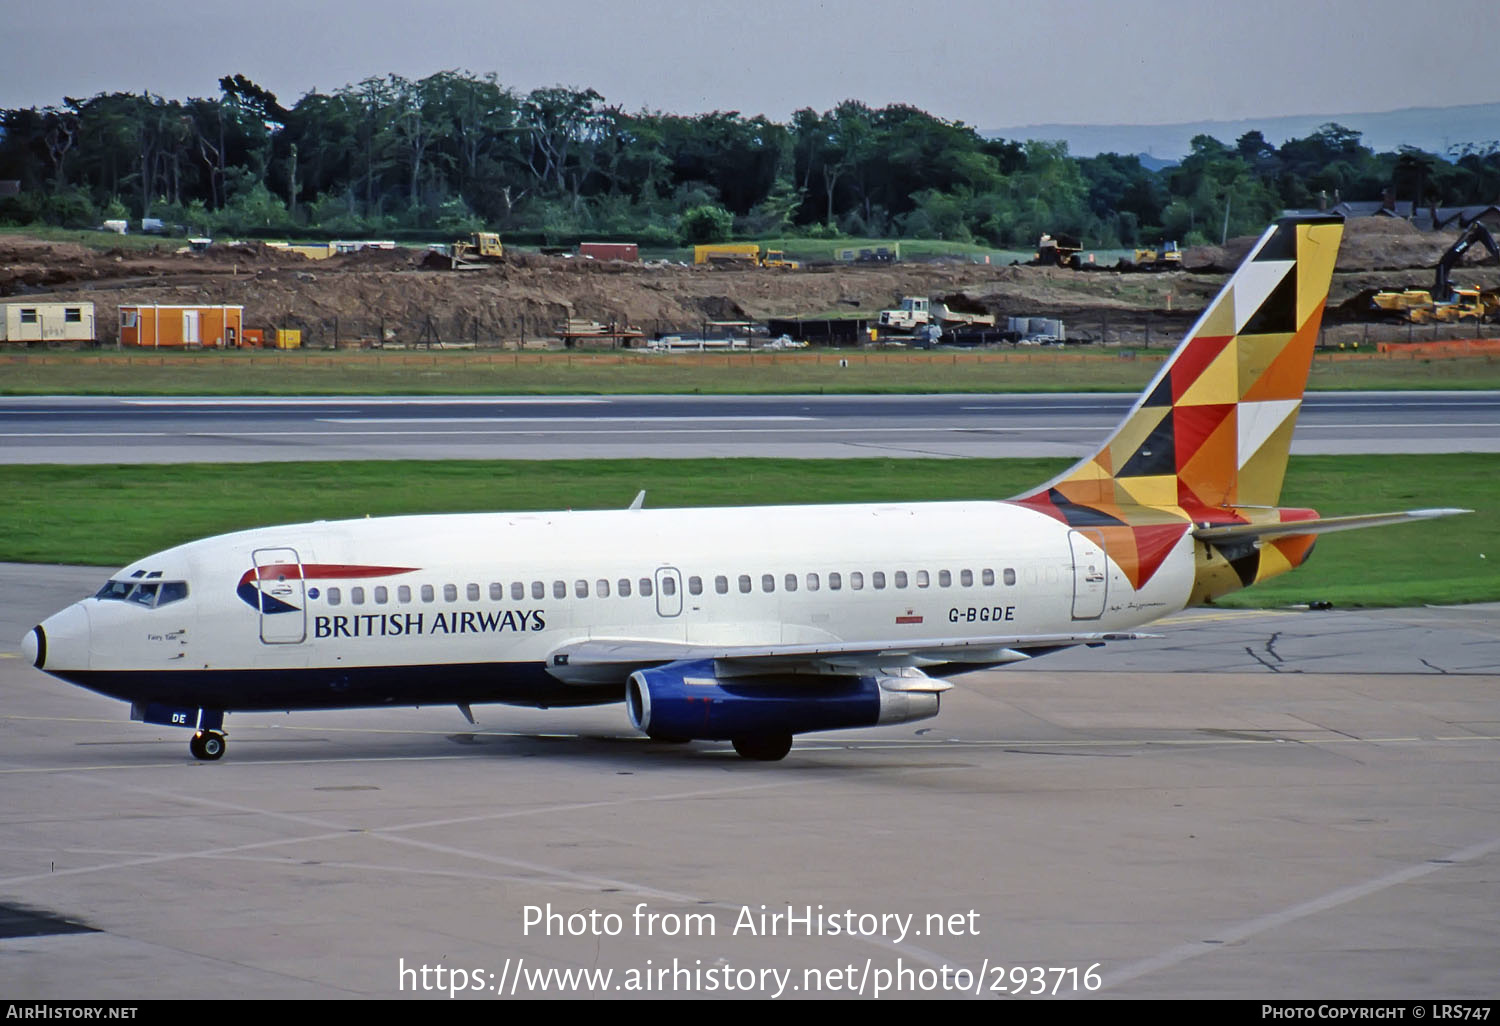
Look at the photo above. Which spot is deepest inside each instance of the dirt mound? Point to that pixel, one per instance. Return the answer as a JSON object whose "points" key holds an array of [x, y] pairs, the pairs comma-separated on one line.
{"points": [[15, 249], [1370, 244], [396, 259]]}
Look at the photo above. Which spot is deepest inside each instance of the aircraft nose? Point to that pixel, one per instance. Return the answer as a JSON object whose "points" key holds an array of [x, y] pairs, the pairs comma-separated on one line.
{"points": [[60, 642], [33, 647]]}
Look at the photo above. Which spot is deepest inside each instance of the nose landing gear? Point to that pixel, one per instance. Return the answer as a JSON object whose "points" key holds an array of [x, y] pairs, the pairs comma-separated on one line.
{"points": [[207, 745]]}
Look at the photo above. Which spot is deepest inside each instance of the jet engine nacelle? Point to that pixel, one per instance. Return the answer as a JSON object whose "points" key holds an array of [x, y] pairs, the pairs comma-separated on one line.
{"points": [[688, 701]]}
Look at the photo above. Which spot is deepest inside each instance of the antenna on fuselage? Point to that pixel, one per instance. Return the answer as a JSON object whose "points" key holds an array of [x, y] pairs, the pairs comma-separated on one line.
{"points": [[639, 500]]}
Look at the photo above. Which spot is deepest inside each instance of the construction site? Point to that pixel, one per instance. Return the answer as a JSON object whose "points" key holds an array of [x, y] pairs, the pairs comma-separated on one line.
{"points": [[390, 297]]}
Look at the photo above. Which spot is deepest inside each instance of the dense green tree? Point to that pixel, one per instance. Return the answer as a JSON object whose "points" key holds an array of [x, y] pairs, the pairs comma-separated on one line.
{"points": [[457, 149]]}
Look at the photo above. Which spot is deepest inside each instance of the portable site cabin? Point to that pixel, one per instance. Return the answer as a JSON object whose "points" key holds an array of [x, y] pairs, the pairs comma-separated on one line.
{"points": [[155, 326], [47, 322]]}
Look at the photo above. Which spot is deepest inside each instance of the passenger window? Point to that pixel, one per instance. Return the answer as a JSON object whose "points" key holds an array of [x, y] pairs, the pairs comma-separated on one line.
{"points": [[624, 587], [427, 595], [669, 585], [403, 594], [171, 591], [356, 596], [538, 590], [517, 590], [835, 582], [812, 582], [497, 591], [900, 578], [1010, 576], [744, 584], [381, 595], [856, 581], [581, 589], [768, 582], [601, 588], [877, 579], [791, 582], [966, 578], [721, 584], [922, 581], [695, 586], [334, 596], [559, 589], [645, 587], [987, 577], [945, 579], [472, 591], [450, 593]]}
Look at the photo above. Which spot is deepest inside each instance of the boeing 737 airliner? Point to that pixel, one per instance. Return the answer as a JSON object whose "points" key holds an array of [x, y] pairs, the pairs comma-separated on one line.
{"points": [[709, 628]]}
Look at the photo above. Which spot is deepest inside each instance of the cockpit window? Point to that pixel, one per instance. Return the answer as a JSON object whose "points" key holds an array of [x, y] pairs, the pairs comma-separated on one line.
{"points": [[114, 590], [147, 593]]}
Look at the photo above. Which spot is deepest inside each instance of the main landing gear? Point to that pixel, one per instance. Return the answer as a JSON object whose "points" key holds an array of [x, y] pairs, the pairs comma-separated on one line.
{"points": [[207, 745]]}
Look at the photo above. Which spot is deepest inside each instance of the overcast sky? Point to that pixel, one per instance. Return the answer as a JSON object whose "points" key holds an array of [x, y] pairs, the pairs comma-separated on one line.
{"points": [[989, 63]]}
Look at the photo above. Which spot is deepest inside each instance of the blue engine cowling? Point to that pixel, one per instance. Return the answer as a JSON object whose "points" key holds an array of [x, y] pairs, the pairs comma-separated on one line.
{"points": [[686, 700]]}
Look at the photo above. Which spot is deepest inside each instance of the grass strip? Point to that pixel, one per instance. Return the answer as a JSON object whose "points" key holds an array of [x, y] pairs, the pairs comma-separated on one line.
{"points": [[111, 515]]}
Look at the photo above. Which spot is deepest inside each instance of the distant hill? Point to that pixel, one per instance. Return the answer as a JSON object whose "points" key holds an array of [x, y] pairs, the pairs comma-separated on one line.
{"points": [[1433, 129]]}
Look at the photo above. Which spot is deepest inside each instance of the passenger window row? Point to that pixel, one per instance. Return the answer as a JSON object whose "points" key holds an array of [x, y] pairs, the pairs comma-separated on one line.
{"points": [[745, 584]]}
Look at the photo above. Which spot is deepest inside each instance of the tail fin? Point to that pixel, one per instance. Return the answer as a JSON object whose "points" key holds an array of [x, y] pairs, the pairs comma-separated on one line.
{"points": [[1213, 429]]}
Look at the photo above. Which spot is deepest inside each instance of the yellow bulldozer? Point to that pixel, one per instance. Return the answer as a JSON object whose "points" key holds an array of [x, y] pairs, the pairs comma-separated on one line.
{"points": [[479, 249], [1166, 257]]}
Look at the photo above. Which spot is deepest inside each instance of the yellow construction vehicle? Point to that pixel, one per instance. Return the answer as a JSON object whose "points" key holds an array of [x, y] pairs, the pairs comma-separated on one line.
{"points": [[1166, 257], [731, 253], [1058, 251], [468, 254], [479, 246], [739, 254], [1444, 302], [1467, 304]]}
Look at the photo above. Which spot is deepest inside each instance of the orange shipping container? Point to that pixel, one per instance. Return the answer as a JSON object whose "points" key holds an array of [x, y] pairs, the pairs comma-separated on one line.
{"points": [[155, 326]]}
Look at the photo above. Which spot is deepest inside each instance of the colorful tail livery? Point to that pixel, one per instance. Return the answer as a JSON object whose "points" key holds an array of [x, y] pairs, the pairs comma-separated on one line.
{"points": [[705, 625], [1205, 447]]}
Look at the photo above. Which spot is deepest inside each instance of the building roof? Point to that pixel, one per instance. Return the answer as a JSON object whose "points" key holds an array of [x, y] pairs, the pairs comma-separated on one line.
{"points": [[1422, 217]]}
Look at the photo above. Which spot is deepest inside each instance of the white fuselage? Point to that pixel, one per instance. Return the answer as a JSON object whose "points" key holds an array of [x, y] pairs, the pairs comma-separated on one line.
{"points": [[509, 589]]}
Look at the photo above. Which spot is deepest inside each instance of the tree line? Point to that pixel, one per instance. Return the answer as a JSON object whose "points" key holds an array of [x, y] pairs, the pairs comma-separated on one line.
{"points": [[456, 152]]}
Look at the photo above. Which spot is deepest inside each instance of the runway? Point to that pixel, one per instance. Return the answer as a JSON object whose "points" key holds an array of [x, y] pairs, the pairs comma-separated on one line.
{"points": [[161, 430], [1272, 806]]}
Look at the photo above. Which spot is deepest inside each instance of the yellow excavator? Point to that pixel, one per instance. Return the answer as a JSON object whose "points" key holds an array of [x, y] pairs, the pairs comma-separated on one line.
{"points": [[1444, 302]]}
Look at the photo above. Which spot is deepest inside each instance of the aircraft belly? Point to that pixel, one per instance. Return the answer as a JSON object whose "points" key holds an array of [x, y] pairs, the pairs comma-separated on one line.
{"points": [[285, 689]]}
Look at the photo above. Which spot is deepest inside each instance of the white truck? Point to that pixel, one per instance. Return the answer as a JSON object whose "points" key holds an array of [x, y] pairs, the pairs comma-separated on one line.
{"points": [[918, 311]]}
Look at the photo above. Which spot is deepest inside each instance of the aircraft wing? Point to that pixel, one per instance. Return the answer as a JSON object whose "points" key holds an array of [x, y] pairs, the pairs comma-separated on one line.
{"points": [[1321, 525], [602, 660]]}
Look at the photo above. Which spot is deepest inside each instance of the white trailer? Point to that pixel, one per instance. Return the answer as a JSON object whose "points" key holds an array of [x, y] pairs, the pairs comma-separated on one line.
{"points": [[47, 322]]}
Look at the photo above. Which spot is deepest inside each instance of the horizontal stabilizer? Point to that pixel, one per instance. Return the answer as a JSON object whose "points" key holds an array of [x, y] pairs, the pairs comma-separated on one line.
{"points": [[1320, 525]]}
